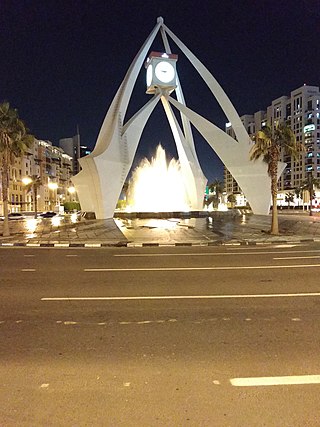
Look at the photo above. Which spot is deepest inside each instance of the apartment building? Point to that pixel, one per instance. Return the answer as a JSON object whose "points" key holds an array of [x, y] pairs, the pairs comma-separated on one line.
{"points": [[300, 111], [53, 168]]}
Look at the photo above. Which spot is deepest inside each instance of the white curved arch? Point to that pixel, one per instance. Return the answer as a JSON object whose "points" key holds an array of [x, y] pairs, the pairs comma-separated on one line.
{"points": [[104, 171]]}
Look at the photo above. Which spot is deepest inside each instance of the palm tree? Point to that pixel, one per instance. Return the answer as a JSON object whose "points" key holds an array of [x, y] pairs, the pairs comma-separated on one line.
{"points": [[309, 184], [289, 198], [14, 141], [269, 144], [232, 199], [298, 193], [216, 187], [33, 183]]}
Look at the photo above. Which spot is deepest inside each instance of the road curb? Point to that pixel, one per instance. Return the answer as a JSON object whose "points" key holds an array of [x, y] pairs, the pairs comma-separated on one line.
{"points": [[155, 244]]}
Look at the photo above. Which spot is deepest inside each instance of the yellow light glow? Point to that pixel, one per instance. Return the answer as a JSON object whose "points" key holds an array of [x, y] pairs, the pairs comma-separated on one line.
{"points": [[26, 180], [74, 218], [31, 225], [71, 190], [52, 185], [55, 221]]}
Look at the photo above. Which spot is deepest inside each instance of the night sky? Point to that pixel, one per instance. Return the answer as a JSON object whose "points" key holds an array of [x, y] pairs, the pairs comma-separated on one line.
{"points": [[61, 62]]}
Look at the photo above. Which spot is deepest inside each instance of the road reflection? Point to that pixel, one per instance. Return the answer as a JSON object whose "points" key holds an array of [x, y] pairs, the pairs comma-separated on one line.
{"points": [[33, 226], [30, 225], [56, 221]]}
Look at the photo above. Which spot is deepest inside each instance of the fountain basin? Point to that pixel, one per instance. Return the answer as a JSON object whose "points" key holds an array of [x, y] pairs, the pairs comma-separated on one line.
{"points": [[166, 215]]}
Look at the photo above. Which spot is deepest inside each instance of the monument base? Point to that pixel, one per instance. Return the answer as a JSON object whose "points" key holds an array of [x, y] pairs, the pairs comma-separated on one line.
{"points": [[183, 215]]}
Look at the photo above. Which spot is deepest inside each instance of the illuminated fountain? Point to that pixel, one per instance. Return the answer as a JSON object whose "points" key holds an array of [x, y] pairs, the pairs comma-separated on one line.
{"points": [[157, 186]]}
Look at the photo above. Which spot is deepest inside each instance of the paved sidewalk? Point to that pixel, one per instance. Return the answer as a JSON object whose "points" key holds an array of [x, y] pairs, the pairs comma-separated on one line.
{"points": [[221, 229]]}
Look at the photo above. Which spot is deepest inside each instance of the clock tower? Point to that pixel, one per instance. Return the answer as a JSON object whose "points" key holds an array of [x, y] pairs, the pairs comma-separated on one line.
{"points": [[161, 72]]}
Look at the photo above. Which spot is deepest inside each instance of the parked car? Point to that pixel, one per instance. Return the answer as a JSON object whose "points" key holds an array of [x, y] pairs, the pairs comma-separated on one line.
{"points": [[48, 214], [13, 216]]}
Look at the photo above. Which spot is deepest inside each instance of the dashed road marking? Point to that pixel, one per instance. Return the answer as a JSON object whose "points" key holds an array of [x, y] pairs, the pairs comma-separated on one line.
{"points": [[272, 381], [298, 257], [28, 269], [158, 321]]}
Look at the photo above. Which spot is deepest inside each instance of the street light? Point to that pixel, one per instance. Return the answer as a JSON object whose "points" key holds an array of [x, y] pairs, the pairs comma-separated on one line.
{"points": [[71, 191]]}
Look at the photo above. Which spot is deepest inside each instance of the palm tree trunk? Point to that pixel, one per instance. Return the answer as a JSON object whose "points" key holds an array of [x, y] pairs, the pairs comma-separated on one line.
{"points": [[274, 192], [5, 187], [35, 195]]}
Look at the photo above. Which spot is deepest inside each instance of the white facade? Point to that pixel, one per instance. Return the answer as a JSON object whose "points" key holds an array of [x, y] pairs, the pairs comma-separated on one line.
{"points": [[51, 165], [301, 111]]}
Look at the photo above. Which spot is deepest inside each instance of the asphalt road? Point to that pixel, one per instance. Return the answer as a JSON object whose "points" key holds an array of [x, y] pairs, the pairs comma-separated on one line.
{"points": [[190, 336]]}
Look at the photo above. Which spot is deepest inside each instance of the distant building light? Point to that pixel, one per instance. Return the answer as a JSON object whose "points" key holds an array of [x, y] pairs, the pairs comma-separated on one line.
{"points": [[309, 128]]}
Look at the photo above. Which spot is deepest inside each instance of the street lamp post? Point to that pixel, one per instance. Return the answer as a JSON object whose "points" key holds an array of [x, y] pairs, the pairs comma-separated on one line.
{"points": [[33, 182], [71, 191], [52, 186]]}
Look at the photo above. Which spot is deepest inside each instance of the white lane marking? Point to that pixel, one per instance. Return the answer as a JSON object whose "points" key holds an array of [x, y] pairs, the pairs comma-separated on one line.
{"points": [[28, 255], [71, 255], [299, 257], [270, 381], [213, 253], [44, 386], [174, 297], [69, 323], [28, 269], [256, 267], [285, 246]]}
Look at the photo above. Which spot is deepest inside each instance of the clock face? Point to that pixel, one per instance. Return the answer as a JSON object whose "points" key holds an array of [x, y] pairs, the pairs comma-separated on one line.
{"points": [[149, 75], [164, 72]]}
